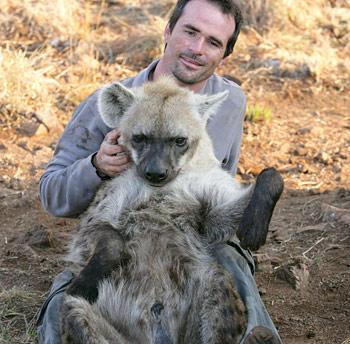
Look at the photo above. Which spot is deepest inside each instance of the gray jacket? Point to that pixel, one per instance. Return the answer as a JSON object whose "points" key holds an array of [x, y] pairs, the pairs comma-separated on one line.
{"points": [[70, 182]]}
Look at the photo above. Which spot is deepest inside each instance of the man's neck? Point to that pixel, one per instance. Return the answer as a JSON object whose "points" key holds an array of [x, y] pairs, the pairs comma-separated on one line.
{"points": [[160, 69]]}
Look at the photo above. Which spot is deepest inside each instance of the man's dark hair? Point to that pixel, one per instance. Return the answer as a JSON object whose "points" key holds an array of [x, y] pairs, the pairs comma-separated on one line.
{"points": [[226, 6]]}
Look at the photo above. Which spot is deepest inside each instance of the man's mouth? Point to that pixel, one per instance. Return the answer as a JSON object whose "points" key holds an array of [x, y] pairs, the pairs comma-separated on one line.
{"points": [[190, 62]]}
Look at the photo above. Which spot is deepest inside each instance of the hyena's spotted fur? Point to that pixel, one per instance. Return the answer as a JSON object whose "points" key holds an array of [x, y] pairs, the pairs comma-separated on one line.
{"points": [[142, 250]]}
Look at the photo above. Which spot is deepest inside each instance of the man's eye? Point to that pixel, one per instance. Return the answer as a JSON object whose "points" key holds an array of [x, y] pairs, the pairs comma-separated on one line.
{"points": [[215, 44], [190, 33], [138, 138], [180, 141]]}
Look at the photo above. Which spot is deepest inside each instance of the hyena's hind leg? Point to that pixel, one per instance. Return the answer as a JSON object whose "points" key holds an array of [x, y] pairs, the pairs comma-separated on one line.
{"points": [[82, 323], [107, 256], [254, 225], [217, 315]]}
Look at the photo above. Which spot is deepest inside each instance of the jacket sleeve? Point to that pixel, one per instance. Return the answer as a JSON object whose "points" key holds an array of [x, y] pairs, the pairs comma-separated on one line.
{"points": [[233, 158], [69, 182]]}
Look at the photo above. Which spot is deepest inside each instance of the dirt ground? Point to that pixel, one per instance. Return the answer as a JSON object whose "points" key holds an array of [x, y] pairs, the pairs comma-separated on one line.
{"points": [[303, 271]]}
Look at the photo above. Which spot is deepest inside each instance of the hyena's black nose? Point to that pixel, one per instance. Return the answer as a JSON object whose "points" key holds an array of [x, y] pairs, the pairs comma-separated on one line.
{"points": [[156, 176]]}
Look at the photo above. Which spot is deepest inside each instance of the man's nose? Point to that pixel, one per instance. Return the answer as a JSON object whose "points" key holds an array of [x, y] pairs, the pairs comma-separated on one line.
{"points": [[197, 45]]}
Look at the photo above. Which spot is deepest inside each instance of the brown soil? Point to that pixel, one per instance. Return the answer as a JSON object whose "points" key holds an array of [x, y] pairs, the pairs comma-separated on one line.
{"points": [[303, 272], [304, 269]]}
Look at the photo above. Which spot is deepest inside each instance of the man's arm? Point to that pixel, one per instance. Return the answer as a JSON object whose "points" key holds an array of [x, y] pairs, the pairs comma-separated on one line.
{"points": [[234, 154], [227, 127], [70, 181]]}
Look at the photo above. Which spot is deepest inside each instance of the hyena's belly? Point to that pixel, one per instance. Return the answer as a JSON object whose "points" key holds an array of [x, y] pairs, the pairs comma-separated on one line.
{"points": [[164, 268]]}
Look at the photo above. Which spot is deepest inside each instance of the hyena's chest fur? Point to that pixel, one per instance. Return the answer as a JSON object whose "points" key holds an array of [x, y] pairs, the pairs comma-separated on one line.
{"points": [[162, 244], [167, 263]]}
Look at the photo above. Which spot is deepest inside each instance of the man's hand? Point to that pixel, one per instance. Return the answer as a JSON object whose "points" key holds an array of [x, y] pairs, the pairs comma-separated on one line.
{"points": [[112, 158]]}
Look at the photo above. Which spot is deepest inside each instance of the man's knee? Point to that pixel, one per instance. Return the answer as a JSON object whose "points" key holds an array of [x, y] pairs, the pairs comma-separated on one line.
{"points": [[233, 258], [48, 321]]}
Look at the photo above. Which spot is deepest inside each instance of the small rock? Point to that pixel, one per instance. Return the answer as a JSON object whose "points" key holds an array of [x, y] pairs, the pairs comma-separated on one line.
{"points": [[297, 72], [285, 148], [262, 291], [261, 258], [28, 128], [295, 273], [331, 213], [310, 334], [303, 131], [343, 193], [263, 262], [323, 158], [58, 44], [300, 151], [48, 123], [337, 167]]}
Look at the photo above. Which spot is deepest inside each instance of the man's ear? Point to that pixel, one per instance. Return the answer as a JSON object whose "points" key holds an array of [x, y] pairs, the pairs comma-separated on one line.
{"points": [[113, 102], [222, 62], [208, 105]]}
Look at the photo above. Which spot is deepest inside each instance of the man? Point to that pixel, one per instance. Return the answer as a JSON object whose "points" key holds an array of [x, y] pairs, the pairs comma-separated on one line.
{"points": [[199, 36]]}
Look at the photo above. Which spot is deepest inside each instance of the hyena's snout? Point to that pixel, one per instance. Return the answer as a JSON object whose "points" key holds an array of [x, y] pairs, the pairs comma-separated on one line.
{"points": [[156, 165], [156, 173]]}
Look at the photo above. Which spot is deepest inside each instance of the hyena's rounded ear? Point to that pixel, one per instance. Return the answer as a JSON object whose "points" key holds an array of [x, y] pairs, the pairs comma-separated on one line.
{"points": [[208, 105], [113, 101]]}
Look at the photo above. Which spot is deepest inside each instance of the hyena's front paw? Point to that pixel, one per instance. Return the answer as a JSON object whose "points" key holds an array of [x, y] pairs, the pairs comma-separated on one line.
{"points": [[84, 288]]}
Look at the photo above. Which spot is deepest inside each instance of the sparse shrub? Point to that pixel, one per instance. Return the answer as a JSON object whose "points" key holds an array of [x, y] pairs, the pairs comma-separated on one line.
{"points": [[41, 20], [25, 87], [256, 113]]}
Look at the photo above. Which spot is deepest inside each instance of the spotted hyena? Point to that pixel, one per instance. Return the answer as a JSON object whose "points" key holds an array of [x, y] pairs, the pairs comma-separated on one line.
{"points": [[142, 252]]}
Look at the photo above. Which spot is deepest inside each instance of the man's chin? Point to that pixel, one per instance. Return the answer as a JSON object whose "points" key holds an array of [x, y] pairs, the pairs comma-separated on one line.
{"points": [[187, 78]]}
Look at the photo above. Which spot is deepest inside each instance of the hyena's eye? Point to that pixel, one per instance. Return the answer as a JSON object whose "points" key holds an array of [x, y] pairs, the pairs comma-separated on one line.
{"points": [[138, 138], [180, 141]]}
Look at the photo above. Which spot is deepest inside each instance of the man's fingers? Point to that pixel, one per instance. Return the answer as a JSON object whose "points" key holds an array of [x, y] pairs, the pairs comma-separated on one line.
{"points": [[112, 137], [118, 169], [112, 161], [122, 154], [112, 149], [112, 158]]}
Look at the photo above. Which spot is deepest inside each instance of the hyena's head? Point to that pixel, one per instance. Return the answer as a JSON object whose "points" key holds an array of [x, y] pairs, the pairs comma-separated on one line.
{"points": [[162, 125]]}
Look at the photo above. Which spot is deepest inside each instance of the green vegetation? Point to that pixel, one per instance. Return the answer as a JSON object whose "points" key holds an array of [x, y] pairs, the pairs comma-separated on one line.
{"points": [[257, 113]]}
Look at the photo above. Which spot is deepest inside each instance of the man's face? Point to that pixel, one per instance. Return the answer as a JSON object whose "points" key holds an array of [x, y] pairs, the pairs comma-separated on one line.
{"points": [[197, 44]]}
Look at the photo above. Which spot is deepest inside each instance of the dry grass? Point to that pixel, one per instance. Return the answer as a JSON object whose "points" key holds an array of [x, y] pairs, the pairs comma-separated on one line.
{"points": [[256, 13], [322, 40], [39, 20], [56, 53], [25, 84], [17, 316], [311, 33]]}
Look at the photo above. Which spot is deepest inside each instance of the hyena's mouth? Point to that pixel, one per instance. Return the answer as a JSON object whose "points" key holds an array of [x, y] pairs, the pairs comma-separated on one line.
{"points": [[160, 183], [157, 185], [160, 180]]}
